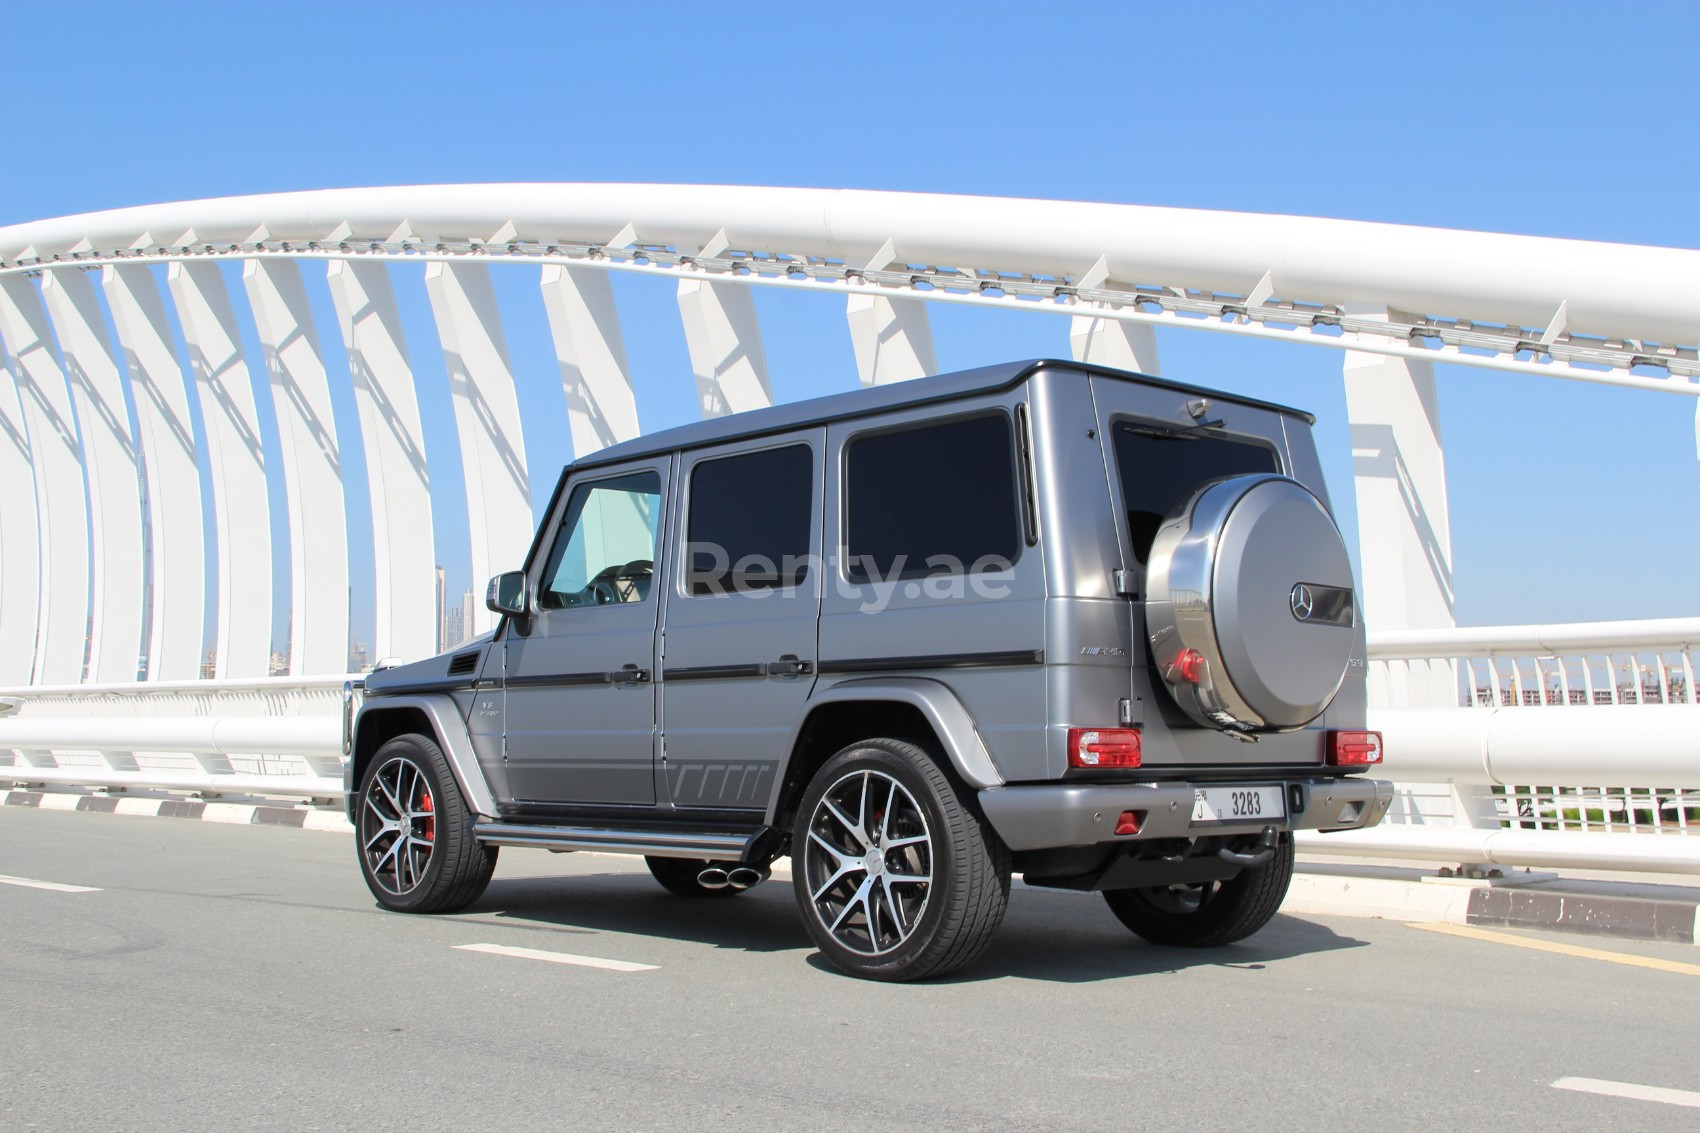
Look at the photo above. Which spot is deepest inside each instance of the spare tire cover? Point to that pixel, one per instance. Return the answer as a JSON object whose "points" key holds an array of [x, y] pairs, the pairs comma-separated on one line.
{"points": [[1249, 605]]}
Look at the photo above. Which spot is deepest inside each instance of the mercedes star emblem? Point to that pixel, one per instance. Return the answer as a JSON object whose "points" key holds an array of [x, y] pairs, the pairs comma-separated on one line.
{"points": [[1303, 602]]}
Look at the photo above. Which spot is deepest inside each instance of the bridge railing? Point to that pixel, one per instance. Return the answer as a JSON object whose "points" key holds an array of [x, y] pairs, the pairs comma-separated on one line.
{"points": [[266, 736], [1495, 760], [1573, 746]]}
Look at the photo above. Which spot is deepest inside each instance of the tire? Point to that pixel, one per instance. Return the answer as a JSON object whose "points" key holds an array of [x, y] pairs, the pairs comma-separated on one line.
{"points": [[413, 832], [679, 875], [930, 900], [1208, 915]]}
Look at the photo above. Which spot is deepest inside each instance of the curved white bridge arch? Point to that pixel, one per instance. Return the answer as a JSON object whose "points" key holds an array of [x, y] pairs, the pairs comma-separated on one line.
{"points": [[1394, 299]]}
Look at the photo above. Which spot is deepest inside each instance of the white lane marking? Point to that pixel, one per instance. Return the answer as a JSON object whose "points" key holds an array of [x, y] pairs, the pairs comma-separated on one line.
{"points": [[557, 957], [53, 886], [1630, 1090]]}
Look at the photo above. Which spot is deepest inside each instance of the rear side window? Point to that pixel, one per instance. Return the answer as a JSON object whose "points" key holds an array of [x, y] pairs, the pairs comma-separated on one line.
{"points": [[749, 521], [938, 499], [1160, 467]]}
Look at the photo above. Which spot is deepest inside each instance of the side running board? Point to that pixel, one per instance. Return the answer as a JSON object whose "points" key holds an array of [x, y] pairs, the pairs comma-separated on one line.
{"points": [[718, 845]]}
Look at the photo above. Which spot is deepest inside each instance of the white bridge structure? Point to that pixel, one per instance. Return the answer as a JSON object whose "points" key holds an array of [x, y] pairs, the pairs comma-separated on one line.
{"points": [[1557, 745]]}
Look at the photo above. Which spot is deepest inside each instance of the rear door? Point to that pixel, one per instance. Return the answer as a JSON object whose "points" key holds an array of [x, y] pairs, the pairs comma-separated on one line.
{"points": [[742, 605], [1160, 444]]}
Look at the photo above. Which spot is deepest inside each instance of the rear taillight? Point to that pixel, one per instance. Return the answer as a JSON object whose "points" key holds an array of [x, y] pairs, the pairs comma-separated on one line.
{"points": [[1103, 747], [1354, 749]]}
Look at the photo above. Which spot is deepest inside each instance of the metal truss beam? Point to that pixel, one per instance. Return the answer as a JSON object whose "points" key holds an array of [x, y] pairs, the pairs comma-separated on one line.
{"points": [[311, 463], [1111, 342], [892, 338], [1522, 299], [724, 338], [1404, 525], [585, 326], [492, 449], [56, 459], [176, 538], [398, 477], [243, 558], [114, 476], [20, 536], [1632, 363]]}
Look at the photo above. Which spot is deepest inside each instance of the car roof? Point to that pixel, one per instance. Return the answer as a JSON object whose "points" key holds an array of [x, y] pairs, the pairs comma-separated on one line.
{"points": [[879, 399]]}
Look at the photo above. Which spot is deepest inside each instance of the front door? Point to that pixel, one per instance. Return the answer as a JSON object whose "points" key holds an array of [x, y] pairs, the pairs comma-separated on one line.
{"points": [[580, 709]]}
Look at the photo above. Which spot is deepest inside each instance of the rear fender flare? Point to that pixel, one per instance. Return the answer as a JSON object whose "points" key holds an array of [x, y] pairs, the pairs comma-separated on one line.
{"points": [[950, 720]]}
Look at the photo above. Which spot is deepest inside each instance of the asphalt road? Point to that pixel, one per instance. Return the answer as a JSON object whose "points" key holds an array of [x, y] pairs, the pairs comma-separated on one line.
{"points": [[223, 977]]}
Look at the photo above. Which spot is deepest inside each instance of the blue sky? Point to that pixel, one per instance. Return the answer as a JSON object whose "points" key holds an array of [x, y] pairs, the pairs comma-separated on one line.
{"points": [[1568, 502]]}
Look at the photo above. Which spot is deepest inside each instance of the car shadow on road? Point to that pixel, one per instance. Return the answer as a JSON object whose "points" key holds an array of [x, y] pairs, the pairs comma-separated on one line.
{"points": [[763, 919], [1075, 939], [1058, 937]]}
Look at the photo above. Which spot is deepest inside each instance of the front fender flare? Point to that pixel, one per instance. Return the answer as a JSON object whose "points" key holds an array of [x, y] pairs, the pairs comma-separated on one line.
{"points": [[451, 736]]}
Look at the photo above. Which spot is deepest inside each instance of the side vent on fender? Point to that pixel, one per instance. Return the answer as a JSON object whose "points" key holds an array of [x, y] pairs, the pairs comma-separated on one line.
{"points": [[464, 664]]}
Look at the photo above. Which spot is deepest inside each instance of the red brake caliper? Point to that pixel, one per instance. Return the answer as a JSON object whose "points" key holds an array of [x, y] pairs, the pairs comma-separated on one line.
{"points": [[430, 823]]}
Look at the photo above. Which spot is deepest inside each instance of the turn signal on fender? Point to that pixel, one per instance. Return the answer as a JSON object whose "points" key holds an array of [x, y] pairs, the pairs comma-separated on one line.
{"points": [[1103, 747], [1354, 749]]}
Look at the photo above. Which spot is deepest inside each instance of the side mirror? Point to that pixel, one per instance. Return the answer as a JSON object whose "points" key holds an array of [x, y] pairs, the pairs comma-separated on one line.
{"points": [[506, 594]]}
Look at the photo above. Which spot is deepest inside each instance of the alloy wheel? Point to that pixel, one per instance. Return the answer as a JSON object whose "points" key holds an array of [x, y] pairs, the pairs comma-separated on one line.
{"points": [[398, 826], [868, 862]]}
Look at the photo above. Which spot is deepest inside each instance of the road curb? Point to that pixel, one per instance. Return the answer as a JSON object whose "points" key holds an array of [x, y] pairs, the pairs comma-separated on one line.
{"points": [[1639, 918], [240, 814], [1555, 905]]}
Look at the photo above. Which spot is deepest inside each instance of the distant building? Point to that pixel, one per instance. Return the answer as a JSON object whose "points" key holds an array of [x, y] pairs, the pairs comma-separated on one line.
{"points": [[357, 661], [457, 622], [442, 625]]}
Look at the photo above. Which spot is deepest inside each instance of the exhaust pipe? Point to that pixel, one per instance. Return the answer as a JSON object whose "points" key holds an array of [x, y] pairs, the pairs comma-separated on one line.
{"points": [[713, 878], [746, 876]]}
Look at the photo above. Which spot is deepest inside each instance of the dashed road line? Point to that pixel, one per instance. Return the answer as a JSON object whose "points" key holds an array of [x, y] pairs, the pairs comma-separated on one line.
{"points": [[1626, 958], [557, 957], [1630, 1090], [52, 886]]}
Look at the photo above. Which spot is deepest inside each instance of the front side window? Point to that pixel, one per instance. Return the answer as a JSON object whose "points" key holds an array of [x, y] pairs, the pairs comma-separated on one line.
{"points": [[749, 521], [937, 499], [604, 553]]}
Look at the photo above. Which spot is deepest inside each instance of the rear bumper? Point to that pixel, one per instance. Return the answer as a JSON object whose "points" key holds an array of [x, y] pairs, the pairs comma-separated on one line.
{"points": [[1052, 815]]}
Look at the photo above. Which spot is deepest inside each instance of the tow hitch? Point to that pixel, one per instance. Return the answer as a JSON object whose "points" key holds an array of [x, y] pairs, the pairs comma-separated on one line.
{"points": [[1271, 838]]}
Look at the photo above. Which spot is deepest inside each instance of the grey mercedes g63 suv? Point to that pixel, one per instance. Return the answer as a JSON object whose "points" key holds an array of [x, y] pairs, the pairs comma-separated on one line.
{"points": [[1087, 626]]}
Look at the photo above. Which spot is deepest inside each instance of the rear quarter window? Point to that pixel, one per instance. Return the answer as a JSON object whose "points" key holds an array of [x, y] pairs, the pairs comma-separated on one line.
{"points": [[933, 499]]}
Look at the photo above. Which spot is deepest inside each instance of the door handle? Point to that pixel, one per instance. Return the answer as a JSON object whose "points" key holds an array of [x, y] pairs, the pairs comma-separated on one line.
{"points": [[630, 675], [788, 666]]}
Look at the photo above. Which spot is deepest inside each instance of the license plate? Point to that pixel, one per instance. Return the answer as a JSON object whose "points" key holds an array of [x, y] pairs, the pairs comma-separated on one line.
{"points": [[1238, 804]]}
